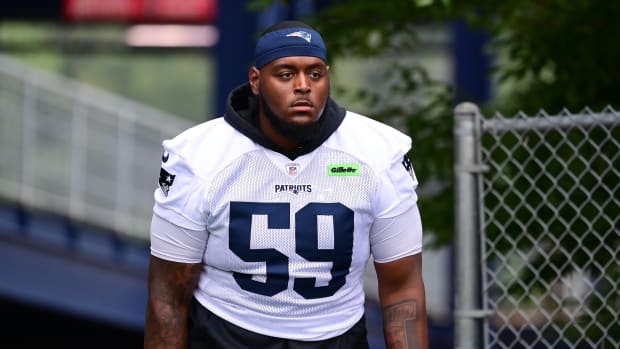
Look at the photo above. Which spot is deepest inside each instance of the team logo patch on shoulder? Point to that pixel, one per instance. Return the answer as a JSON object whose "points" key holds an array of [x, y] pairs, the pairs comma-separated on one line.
{"points": [[165, 181], [408, 166], [343, 170], [301, 34]]}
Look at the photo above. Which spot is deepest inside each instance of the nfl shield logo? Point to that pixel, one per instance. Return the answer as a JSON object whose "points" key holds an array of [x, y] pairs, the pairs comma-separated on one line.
{"points": [[292, 169]]}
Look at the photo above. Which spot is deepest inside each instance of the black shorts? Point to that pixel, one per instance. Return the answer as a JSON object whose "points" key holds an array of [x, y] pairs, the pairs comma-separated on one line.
{"points": [[208, 331]]}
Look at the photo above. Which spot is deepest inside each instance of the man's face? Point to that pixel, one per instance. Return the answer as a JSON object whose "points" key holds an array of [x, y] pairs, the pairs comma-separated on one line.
{"points": [[293, 92]]}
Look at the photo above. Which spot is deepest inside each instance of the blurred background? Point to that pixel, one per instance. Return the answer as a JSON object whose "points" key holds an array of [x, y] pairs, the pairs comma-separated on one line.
{"points": [[89, 89]]}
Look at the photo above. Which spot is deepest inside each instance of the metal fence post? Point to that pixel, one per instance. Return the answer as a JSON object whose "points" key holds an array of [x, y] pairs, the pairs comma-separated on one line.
{"points": [[467, 265]]}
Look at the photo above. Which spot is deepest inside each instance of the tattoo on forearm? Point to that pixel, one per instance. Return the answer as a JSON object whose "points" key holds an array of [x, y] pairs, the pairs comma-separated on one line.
{"points": [[170, 293], [399, 324]]}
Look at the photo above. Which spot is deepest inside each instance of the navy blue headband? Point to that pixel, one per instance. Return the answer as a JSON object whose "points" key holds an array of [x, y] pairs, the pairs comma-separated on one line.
{"points": [[289, 42]]}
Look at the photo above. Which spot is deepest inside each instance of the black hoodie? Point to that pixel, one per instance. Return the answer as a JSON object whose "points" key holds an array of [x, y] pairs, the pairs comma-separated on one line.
{"points": [[242, 114]]}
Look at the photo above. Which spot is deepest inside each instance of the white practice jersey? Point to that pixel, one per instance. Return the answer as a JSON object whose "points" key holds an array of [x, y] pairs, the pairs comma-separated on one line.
{"points": [[287, 240]]}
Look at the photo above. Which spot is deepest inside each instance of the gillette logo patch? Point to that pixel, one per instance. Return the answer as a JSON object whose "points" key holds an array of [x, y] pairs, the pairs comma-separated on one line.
{"points": [[343, 170]]}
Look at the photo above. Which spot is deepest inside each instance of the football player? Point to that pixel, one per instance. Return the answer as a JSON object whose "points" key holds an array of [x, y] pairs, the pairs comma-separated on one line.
{"points": [[265, 218]]}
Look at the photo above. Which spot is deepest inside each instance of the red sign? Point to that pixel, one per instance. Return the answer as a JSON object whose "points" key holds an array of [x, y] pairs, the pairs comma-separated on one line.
{"points": [[140, 11]]}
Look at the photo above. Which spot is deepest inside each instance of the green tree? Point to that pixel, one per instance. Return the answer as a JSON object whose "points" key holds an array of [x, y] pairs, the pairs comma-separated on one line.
{"points": [[552, 54]]}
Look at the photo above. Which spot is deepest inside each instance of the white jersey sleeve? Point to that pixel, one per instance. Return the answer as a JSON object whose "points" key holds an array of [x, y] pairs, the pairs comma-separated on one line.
{"points": [[173, 243], [397, 229], [180, 196], [396, 237], [396, 192]]}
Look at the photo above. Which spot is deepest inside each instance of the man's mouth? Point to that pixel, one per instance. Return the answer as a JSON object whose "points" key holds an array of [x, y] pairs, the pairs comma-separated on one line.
{"points": [[302, 105]]}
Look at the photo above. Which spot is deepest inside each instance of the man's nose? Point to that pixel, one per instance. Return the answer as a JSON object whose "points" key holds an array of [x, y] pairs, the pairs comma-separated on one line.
{"points": [[302, 83]]}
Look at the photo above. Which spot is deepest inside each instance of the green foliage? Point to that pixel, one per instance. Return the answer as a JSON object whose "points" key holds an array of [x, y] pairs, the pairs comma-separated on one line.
{"points": [[552, 54]]}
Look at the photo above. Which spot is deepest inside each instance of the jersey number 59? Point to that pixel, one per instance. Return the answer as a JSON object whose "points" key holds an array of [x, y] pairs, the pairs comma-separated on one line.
{"points": [[306, 245]]}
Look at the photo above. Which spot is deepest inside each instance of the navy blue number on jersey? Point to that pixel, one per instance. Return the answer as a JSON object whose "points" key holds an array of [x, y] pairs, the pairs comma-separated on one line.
{"points": [[306, 245]]}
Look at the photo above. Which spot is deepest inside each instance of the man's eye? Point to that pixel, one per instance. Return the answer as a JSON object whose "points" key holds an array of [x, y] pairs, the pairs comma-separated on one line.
{"points": [[286, 75]]}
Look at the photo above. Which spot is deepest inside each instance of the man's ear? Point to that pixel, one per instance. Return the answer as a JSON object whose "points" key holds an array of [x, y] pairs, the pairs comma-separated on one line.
{"points": [[254, 79]]}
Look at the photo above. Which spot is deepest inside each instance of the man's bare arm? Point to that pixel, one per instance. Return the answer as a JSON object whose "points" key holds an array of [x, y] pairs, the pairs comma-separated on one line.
{"points": [[402, 296], [171, 286]]}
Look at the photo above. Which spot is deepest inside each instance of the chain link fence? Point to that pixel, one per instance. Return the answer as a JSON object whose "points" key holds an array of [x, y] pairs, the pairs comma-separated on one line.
{"points": [[541, 231]]}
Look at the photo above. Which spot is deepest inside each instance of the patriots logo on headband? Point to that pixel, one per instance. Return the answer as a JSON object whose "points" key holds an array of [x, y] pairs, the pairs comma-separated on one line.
{"points": [[301, 34]]}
